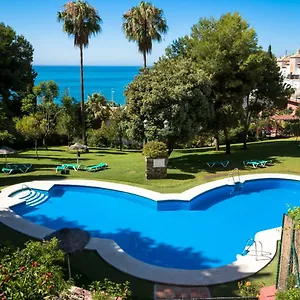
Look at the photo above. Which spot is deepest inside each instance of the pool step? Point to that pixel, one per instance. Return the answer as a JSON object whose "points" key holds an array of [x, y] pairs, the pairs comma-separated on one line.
{"points": [[31, 197], [36, 198]]}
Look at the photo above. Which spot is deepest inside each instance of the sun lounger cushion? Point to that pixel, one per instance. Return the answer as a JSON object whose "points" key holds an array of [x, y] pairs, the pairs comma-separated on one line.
{"points": [[98, 167]]}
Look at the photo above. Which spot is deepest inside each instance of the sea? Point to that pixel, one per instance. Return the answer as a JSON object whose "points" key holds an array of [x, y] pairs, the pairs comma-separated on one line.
{"points": [[110, 81]]}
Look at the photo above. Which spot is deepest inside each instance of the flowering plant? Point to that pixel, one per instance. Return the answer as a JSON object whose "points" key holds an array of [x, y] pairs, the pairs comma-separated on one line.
{"points": [[248, 289], [32, 273]]}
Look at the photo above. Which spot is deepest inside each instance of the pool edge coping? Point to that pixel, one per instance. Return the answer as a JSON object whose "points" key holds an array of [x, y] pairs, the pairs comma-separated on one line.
{"points": [[109, 250]]}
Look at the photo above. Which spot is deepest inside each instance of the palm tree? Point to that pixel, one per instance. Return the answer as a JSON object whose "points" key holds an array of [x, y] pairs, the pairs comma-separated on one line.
{"points": [[143, 24], [98, 110], [80, 21]]}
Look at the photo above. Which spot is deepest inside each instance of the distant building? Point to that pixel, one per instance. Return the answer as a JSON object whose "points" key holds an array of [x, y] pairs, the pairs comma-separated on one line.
{"points": [[290, 69]]}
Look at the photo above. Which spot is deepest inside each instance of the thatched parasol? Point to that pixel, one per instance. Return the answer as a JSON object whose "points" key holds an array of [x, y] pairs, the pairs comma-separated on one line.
{"points": [[78, 146], [70, 240], [5, 151]]}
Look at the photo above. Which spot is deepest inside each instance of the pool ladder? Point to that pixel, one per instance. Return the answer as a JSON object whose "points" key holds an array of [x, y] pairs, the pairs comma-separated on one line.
{"points": [[235, 176], [256, 243]]}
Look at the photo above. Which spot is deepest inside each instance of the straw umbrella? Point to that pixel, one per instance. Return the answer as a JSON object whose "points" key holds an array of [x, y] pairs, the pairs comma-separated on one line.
{"points": [[78, 146], [70, 240], [5, 151]]}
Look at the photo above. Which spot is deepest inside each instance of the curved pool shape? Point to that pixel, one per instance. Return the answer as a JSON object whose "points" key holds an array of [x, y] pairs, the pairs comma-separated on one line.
{"points": [[206, 232]]}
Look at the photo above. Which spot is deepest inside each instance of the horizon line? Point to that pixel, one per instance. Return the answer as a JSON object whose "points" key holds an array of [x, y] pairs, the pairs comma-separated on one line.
{"points": [[42, 65]]}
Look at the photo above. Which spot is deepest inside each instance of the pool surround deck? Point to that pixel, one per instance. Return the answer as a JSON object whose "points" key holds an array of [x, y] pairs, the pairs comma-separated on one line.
{"points": [[109, 250]]}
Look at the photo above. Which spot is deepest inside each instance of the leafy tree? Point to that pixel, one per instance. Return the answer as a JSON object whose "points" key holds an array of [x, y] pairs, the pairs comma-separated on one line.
{"points": [[297, 113], [5, 135], [67, 120], [33, 272], [16, 71], [173, 90], [177, 48], [31, 128], [47, 92], [118, 125], [81, 20], [29, 104], [97, 109], [267, 89], [221, 47], [143, 24]]}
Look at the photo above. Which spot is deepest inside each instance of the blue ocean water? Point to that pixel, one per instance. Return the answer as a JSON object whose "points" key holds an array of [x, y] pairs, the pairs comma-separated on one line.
{"points": [[207, 234], [109, 81]]}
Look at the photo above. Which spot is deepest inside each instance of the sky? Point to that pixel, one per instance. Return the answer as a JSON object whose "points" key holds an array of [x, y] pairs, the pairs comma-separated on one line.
{"points": [[275, 21]]}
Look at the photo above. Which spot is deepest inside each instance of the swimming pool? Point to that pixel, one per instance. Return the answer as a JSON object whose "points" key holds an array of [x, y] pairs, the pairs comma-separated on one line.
{"points": [[206, 232]]}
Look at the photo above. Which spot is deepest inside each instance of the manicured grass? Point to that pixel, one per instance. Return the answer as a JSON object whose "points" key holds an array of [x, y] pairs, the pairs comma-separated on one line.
{"points": [[187, 168]]}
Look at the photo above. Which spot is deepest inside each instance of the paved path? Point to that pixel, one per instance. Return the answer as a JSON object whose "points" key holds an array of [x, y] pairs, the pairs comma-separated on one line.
{"points": [[267, 293], [175, 292]]}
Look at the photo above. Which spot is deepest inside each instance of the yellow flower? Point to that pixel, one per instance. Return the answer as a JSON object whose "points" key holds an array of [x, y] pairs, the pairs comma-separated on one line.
{"points": [[248, 283]]}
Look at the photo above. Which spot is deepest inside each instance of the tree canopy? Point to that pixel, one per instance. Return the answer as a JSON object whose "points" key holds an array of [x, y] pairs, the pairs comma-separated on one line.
{"points": [[175, 91], [16, 71]]}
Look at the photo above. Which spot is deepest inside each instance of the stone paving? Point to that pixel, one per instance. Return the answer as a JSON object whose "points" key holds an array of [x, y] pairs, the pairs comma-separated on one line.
{"points": [[168, 292], [267, 293]]}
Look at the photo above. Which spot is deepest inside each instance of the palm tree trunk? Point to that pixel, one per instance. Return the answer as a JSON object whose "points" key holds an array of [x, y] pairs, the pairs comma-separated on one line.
{"points": [[82, 98], [145, 59]]}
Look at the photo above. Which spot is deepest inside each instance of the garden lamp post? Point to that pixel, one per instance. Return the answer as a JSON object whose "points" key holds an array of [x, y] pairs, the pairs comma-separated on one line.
{"points": [[166, 124], [145, 129]]}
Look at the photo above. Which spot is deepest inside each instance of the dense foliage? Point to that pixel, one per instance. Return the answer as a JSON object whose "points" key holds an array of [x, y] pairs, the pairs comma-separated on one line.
{"points": [[175, 91], [107, 289], [155, 149], [33, 272], [244, 79], [16, 72], [290, 294]]}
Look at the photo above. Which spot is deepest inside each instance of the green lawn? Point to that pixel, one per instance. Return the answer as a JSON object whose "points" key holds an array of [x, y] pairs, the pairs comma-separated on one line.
{"points": [[187, 168]]}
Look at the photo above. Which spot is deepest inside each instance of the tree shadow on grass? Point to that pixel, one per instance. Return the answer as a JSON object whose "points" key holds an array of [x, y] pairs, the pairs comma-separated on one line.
{"points": [[95, 150], [180, 176], [195, 163], [19, 178]]}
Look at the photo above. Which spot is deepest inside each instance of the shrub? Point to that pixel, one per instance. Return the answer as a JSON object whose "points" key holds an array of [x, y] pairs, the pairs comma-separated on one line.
{"points": [[294, 214], [290, 294], [155, 149], [108, 289], [32, 273], [248, 289]]}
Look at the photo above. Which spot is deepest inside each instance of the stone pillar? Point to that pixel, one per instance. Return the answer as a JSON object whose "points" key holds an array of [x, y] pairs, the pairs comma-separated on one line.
{"points": [[156, 168]]}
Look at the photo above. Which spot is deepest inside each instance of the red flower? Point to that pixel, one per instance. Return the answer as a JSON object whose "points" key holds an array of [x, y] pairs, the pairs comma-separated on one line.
{"points": [[6, 279], [34, 264], [49, 274], [22, 268], [51, 286]]}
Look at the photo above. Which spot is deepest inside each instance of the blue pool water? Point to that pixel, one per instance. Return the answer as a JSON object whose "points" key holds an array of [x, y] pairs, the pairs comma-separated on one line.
{"points": [[207, 232]]}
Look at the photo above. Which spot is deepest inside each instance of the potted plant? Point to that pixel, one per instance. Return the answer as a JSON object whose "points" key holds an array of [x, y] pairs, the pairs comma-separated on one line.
{"points": [[156, 157]]}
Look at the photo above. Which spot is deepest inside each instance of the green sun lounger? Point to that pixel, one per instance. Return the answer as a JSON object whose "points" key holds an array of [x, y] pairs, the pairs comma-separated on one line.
{"points": [[8, 171], [224, 163], [62, 169], [95, 168], [11, 168], [74, 167], [254, 163]]}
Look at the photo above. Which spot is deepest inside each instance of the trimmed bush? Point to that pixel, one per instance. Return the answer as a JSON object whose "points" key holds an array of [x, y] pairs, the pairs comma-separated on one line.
{"points": [[155, 149]]}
